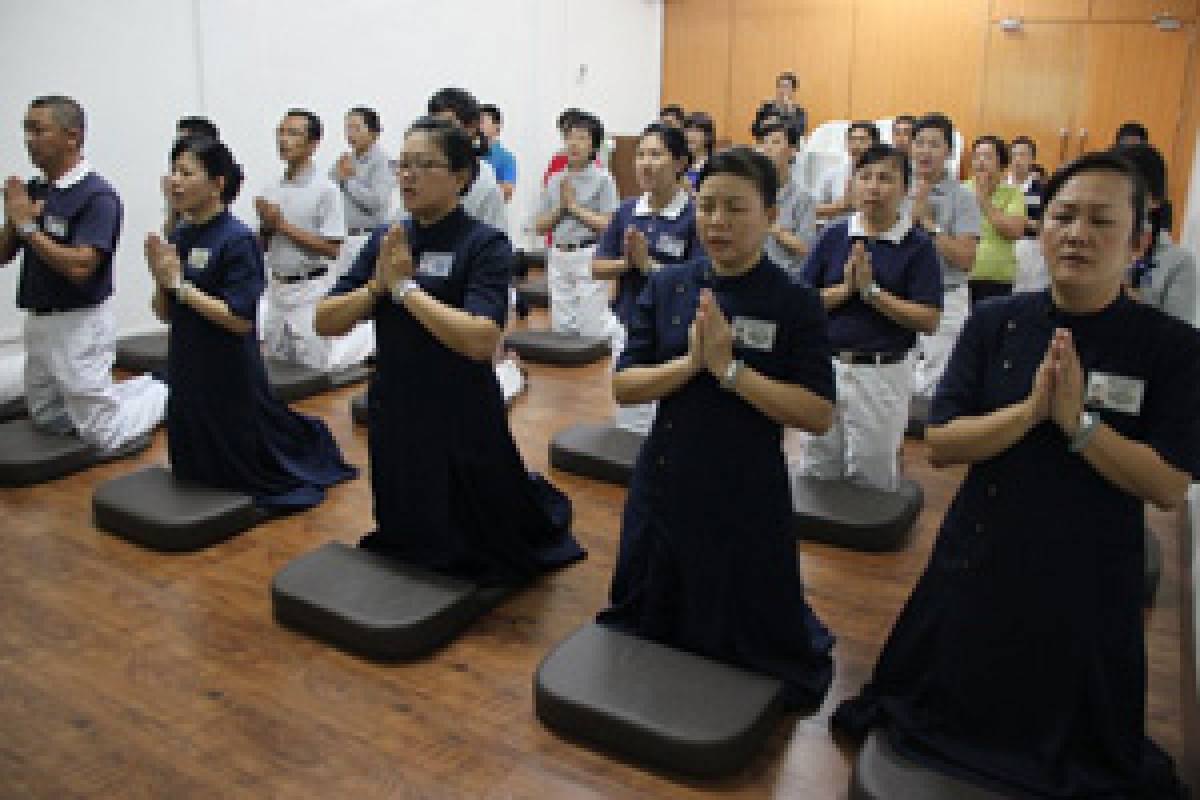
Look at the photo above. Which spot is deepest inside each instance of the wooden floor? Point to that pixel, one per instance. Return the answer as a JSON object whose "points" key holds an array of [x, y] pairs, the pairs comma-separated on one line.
{"points": [[128, 673]]}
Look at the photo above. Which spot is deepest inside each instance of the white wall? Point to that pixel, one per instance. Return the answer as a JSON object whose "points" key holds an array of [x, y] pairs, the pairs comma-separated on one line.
{"points": [[138, 65]]}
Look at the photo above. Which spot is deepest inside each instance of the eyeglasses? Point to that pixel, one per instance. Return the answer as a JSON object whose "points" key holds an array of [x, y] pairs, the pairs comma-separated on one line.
{"points": [[418, 165]]}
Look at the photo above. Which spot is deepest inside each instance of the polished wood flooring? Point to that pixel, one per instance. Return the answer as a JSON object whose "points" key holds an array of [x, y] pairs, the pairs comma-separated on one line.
{"points": [[129, 673]]}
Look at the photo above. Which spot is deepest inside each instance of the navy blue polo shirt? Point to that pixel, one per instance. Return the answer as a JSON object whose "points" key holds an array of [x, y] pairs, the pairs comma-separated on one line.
{"points": [[905, 264], [81, 210], [670, 232]]}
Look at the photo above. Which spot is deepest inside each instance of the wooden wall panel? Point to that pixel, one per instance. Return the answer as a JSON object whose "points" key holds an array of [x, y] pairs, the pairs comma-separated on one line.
{"points": [[913, 58], [1031, 86], [1044, 10], [1184, 160], [811, 38], [1142, 10], [696, 56]]}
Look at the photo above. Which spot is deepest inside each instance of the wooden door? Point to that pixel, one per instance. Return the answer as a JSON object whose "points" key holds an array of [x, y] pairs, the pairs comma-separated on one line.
{"points": [[1032, 86], [915, 58], [810, 38], [1142, 10], [696, 65], [1040, 10]]}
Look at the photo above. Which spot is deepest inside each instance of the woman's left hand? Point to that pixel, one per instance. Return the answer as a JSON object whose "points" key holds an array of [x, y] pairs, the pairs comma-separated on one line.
{"points": [[164, 262], [1067, 402], [394, 262], [716, 335]]}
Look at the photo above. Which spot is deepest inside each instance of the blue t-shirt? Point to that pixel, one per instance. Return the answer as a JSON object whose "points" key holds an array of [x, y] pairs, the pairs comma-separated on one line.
{"points": [[670, 234], [904, 265], [85, 214], [503, 162]]}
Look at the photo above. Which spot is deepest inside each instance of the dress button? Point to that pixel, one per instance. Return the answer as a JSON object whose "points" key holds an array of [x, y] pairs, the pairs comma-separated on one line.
{"points": [[992, 490], [979, 527], [675, 320], [1007, 364], [662, 461], [1012, 324], [679, 288]]}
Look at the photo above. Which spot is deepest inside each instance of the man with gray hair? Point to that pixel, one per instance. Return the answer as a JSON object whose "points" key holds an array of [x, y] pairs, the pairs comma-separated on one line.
{"points": [[66, 225]]}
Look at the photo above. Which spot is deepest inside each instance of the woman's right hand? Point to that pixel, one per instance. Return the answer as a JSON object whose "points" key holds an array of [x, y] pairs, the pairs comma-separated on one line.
{"points": [[1040, 401], [394, 262], [637, 250]]}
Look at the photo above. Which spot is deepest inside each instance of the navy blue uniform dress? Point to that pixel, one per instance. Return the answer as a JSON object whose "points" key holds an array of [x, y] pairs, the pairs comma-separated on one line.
{"points": [[1020, 655], [707, 560], [451, 492], [225, 427]]}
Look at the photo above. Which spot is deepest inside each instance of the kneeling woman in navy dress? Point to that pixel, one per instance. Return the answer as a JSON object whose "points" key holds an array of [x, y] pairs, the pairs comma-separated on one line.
{"points": [[1019, 659], [733, 350], [451, 492], [225, 428]]}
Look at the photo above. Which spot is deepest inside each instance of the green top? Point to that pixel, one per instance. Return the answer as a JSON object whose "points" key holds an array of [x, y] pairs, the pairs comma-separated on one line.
{"points": [[995, 256]]}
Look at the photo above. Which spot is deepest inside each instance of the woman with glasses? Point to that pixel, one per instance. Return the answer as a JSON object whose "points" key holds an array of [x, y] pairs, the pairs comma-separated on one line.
{"points": [[451, 492]]}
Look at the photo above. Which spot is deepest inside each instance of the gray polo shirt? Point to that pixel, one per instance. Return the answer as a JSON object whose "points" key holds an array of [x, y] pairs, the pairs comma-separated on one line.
{"points": [[484, 201], [957, 213], [797, 216], [1171, 285], [309, 201], [594, 190], [366, 193]]}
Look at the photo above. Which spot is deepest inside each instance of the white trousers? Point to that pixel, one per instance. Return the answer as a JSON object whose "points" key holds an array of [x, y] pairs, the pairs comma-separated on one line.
{"points": [[1032, 273], [578, 302], [12, 375], [868, 427], [69, 386], [510, 378], [935, 349], [636, 418], [289, 335]]}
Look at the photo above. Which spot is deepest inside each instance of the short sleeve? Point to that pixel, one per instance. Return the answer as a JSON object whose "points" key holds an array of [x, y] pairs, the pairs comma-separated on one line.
{"points": [[363, 267], [811, 361], [640, 342], [1172, 424], [966, 220], [960, 391], [814, 270], [243, 276], [99, 224], [549, 196], [608, 200], [1179, 293], [925, 274], [612, 241], [333, 214], [488, 276], [506, 167]]}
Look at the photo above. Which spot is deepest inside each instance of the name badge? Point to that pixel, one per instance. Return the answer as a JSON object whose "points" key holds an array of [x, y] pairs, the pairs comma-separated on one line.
{"points": [[55, 226], [435, 265], [756, 334], [668, 245], [1114, 392], [198, 257]]}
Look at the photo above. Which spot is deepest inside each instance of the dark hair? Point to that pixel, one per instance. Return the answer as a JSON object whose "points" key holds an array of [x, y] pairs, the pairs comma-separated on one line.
{"points": [[790, 77], [996, 142], [744, 162], [492, 111], [908, 118], [886, 152], [701, 121], [216, 159], [66, 112], [589, 122], [198, 126], [1102, 162], [311, 120], [865, 125], [454, 142], [566, 117], [765, 129], [1024, 140], [673, 139], [459, 102], [938, 121], [369, 116], [1153, 168], [673, 110], [1132, 129], [764, 116], [1039, 168]]}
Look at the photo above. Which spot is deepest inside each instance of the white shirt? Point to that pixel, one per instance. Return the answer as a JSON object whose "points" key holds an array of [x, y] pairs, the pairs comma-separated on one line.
{"points": [[309, 201]]}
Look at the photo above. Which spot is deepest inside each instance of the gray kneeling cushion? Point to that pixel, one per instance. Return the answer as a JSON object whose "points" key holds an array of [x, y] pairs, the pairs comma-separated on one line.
{"points": [[145, 352], [535, 292], [13, 409], [603, 452], [29, 456], [292, 382], [655, 704], [374, 605], [153, 508], [880, 773], [560, 349], [845, 514]]}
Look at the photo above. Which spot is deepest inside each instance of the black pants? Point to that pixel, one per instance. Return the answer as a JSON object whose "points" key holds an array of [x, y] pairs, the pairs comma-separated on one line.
{"points": [[979, 290]]}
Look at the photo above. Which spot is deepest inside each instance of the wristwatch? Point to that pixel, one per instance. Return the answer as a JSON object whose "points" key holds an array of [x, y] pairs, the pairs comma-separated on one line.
{"points": [[27, 229], [731, 373], [402, 288], [871, 292], [1088, 422]]}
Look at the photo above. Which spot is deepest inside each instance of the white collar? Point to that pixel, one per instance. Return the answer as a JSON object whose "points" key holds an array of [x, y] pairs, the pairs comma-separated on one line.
{"points": [[894, 234], [74, 176], [671, 210]]}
